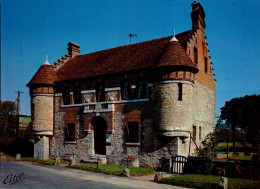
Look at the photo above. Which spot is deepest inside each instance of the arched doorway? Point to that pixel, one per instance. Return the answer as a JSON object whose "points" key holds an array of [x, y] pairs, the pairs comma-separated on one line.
{"points": [[100, 130]]}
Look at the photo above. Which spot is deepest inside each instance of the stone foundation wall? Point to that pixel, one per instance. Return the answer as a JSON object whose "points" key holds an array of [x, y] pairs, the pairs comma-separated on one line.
{"points": [[41, 147]]}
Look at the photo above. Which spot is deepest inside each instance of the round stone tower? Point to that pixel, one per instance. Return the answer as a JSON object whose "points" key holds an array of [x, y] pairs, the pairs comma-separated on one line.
{"points": [[42, 108], [173, 92]]}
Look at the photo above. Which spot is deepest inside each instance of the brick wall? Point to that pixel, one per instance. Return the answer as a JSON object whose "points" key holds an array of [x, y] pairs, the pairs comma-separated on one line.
{"points": [[198, 40]]}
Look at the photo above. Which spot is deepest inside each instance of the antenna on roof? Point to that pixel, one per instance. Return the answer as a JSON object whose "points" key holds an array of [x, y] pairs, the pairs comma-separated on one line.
{"points": [[132, 35], [46, 61], [173, 36]]}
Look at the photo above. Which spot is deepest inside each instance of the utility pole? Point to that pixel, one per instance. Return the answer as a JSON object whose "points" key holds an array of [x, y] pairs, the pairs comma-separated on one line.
{"points": [[227, 147], [17, 122]]}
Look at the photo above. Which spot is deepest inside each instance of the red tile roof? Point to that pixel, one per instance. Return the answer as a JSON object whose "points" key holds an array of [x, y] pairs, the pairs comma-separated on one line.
{"points": [[174, 55], [45, 75], [125, 58], [149, 54]]}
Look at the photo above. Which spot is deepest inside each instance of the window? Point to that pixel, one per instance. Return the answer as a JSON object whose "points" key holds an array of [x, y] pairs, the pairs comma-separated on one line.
{"points": [[33, 110], [66, 96], [180, 91], [205, 65], [100, 92], [132, 132], [70, 132], [141, 89], [195, 55], [200, 133], [194, 130], [126, 90], [77, 95]]}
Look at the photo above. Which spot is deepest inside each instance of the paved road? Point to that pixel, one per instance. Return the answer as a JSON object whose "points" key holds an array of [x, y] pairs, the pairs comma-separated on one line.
{"points": [[41, 176]]}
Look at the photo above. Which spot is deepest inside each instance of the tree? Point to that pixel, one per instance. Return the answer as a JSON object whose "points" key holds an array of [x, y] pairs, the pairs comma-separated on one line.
{"points": [[7, 108], [7, 126], [8, 119], [243, 112]]}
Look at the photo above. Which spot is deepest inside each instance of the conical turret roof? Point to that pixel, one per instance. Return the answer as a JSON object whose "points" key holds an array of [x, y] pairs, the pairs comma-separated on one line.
{"points": [[45, 75], [175, 55]]}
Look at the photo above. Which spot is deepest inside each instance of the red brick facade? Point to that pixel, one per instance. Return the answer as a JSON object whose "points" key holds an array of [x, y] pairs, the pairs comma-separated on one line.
{"points": [[108, 117]]}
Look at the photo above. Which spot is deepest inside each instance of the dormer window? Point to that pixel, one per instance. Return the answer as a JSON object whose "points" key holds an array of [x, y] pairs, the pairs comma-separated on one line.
{"points": [[195, 55], [141, 89], [66, 96], [205, 65], [77, 94], [125, 90], [100, 92]]}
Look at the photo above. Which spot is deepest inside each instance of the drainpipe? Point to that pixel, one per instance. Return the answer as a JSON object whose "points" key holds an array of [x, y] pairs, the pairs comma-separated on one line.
{"points": [[189, 145]]}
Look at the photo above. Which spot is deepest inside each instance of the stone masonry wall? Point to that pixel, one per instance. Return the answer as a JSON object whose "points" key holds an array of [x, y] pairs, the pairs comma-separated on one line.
{"points": [[152, 147], [203, 110], [41, 147], [172, 114], [42, 112], [82, 149]]}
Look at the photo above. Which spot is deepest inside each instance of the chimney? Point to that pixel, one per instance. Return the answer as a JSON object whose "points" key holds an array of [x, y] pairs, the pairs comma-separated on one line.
{"points": [[198, 16], [73, 49]]}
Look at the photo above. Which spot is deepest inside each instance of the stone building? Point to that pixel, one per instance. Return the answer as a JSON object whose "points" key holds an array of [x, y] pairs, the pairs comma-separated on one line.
{"points": [[147, 100]]}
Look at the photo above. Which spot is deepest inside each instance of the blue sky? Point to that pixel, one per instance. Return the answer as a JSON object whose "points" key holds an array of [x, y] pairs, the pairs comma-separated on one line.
{"points": [[30, 29]]}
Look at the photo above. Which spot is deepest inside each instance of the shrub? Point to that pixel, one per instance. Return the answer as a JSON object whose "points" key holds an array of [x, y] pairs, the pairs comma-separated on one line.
{"points": [[207, 152], [198, 165]]}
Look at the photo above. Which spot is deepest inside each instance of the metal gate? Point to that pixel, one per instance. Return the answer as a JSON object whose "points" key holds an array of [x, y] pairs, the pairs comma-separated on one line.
{"points": [[178, 163]]}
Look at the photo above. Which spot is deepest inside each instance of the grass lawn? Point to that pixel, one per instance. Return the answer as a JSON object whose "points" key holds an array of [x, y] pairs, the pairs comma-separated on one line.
{"points": [[114, 169], [103, 168], [6, 157], [236, 183], [208, 181], [42, 161], [30, 159], [242, 158], [237, 144]]}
